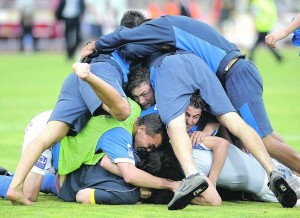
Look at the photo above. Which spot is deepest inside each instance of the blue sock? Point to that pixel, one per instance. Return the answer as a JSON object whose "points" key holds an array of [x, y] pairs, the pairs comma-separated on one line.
{"points": [[48, 184], [4, 184]]}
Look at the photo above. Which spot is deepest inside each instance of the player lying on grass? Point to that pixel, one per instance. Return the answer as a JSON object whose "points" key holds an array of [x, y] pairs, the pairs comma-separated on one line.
{"points": [[93, 183], [239, 171]]}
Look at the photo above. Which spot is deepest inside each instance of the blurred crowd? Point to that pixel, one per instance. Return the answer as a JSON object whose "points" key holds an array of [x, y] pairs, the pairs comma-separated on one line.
{"points": [[32, 25]]}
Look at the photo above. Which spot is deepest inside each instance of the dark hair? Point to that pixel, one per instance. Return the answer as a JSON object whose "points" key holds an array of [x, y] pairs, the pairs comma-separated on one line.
{"points": [[145, 21], [161, 163], [196, 101], [136, 77], [132, 18], [153, 123]]}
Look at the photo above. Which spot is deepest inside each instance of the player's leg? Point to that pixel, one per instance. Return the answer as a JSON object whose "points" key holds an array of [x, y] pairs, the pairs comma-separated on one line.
{"points": [[244, 88], [282, 152], [53, 132], [210, 197], [108, 94], [36, 176], [291, 178], [99, 196], [4, 184], [172, 103]]}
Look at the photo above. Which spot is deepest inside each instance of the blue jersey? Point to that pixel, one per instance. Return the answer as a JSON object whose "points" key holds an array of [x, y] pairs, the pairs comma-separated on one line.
{"points": [[110, 188], [243, 82], [190, 74], [175, 31], [115, 60], [151, 110], [78, 102]]}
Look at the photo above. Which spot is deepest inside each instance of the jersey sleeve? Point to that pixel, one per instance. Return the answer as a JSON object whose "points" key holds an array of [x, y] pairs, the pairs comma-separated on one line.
{"points": [[117, 144], [157, 31], [150, 110]]}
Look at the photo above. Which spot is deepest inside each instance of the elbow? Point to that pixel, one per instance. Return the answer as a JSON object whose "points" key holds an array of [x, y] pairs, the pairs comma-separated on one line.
{"points": [[104, 163], [128, 177], [226, 144], [123, 113]]}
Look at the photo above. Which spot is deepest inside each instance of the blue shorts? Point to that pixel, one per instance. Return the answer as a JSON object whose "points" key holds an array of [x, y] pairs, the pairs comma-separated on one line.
{"points": [[244, 88], [77, 100], [177, 77], [109, 188]]}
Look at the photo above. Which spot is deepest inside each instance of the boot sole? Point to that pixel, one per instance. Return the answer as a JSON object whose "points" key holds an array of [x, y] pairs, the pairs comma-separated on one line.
{"points": [[287, 197], [182, 202]]}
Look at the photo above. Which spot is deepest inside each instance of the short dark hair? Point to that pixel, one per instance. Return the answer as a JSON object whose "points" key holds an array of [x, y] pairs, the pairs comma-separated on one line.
{"points": [[153, 123], [161, 163], [196, 101], [132, 18], [136, 77]]}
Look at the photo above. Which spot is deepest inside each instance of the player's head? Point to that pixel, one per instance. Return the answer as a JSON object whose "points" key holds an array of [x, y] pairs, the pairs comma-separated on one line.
{"points": [[139, 88], [193, 111], [162, 163], [132, 18], [149, 133]]}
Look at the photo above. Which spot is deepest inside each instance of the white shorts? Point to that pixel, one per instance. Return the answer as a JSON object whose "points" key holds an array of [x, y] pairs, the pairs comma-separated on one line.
{"points": [[266, 194], [33, 129]]}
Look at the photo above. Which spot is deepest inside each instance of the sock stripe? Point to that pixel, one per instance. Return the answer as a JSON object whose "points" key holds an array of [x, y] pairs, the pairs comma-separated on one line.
{"points": [[92, 196]]}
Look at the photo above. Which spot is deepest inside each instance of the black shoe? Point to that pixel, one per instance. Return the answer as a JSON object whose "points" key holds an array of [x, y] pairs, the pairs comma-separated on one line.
{"points": [[188, 189], [282, 191], [4, 172]]}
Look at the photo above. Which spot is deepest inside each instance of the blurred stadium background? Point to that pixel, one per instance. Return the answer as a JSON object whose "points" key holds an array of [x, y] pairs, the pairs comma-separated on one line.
{"points": [[232, 17]]}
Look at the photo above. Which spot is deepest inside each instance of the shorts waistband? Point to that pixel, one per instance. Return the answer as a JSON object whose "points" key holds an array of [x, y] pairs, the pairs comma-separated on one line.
{"points": [[228, 67]]}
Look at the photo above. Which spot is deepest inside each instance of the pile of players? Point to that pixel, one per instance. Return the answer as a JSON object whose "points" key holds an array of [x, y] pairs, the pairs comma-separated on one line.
{"points": [[197, 99]]}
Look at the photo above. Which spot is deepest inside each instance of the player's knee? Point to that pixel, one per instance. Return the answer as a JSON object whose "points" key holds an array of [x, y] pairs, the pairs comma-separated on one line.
{"points": [[52, 133], [207, 200], [216, 201], [83, 196]]}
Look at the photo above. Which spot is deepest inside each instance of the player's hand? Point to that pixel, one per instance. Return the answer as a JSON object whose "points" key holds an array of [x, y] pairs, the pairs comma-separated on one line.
{"points": [[272, 38], [88, 49], [197, 137], [82, 70], [145, 193]]}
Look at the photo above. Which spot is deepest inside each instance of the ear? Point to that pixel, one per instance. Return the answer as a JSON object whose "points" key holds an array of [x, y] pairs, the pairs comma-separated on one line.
{"points": [[142, 128]]}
